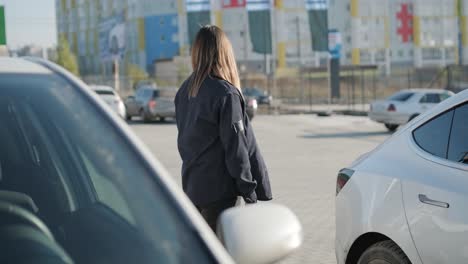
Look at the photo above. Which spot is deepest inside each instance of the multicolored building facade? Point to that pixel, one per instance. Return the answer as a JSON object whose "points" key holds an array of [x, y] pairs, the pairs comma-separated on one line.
{"points": [[389, 33]]}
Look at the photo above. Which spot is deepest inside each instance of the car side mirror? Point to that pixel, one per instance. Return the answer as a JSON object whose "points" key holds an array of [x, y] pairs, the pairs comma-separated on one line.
{"points": [[261, 233]]}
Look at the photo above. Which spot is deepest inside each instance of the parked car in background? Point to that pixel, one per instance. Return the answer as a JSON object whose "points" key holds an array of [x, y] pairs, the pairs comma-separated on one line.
{"points": [[150, 103], [252, 106], [405, 105], [111, 98], [262, 96], [77, 186], [405, 201]]}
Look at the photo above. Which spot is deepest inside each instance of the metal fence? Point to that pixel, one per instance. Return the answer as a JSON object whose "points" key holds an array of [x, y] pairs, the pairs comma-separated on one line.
{"points": [[359, 85], [308, 88]]}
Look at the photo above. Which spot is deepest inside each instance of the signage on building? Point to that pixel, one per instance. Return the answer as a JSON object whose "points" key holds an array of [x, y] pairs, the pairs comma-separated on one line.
{"points": [[2, 26], [112, 44], [234, 3], [334, 43]]}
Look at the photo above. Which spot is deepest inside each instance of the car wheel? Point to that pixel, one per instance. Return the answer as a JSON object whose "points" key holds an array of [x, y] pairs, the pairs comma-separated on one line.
{"points": [[128, 117], [162, 119], [391, 127], [384, 252]]}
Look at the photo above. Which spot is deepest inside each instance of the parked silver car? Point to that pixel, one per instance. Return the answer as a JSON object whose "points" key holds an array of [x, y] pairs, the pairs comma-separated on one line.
{"points": [[405, 105], [77, 186], [150, 103], [109, 96]]}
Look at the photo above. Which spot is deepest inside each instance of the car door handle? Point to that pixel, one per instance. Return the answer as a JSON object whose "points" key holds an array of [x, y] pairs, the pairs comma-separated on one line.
{"points": [[423, 199]]}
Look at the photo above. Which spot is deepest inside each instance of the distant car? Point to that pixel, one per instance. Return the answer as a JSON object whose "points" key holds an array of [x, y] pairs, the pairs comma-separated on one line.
{"points": [[77, 186], [405, 202], [405, 105], [111, 98], [150, 103], [252, 107], [261, 96]]}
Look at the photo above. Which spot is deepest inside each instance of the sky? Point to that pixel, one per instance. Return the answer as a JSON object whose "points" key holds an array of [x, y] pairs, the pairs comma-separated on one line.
{"points": [[30, 22]]}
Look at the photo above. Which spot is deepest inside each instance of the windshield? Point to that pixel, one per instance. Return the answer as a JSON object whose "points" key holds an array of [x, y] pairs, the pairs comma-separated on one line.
{"points": [[92, 189], [252, 92], [401, 97]]}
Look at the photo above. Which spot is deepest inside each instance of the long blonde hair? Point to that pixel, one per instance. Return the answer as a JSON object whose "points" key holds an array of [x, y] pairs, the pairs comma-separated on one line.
{"points": [[212, 55]]}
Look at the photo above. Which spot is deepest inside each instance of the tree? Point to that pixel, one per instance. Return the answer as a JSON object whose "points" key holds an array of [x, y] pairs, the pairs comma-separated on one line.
{"points": [[66, 58], [136, 74]]}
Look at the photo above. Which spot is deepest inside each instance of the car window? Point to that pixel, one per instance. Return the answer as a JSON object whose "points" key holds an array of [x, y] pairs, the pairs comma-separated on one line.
{"points": [[156, 93], [431, 98], [139, 93], [148, 93], [433, 136], [107, 192], [444, 96], [258, 92], [104, 92], [401, 97], [458, 146], [91, 186]]}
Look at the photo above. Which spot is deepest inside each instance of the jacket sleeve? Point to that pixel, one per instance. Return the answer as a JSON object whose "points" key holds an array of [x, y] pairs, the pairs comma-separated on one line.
{"points": [[258, 167], [233, 138]]}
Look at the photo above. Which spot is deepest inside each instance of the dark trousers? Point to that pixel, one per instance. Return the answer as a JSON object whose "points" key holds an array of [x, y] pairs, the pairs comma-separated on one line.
{"points": [[212, 212]]}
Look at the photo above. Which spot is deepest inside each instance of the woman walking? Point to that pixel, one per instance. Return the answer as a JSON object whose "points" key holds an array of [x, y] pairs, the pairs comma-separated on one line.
{"points": [[221, 159]]}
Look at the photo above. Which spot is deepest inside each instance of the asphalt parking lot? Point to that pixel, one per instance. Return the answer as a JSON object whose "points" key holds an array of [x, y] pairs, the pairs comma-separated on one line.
{"points": [[303, 154]]}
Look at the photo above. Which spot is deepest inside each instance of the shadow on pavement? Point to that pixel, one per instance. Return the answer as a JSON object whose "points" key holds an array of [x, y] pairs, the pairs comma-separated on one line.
{"points": [[346, 135]]}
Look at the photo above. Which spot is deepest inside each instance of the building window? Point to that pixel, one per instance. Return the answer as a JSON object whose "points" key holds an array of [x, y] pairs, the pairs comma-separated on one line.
{"points": [[400, 54]]}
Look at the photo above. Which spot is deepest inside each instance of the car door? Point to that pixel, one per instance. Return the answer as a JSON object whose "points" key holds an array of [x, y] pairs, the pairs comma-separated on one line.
{"points": [[133, 107], [165, 101], [435, 191], [94, 189], [130, 105], [140, 99]]}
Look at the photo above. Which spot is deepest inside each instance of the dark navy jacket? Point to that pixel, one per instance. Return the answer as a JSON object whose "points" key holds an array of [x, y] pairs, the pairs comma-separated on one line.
{"points": [[221, 159]]}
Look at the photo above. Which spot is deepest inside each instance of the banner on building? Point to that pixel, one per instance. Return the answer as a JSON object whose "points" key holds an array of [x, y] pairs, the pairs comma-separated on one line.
{"points": [[318, 22], [112, 44], [234, 3], [334, 43], [198, 15], [2, 26], [259, 13]]}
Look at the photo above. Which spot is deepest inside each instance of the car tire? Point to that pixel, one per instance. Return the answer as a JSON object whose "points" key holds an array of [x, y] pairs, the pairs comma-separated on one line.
{"points": [[162, 119], [391, 127], [384, 252], [128, 117]]}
